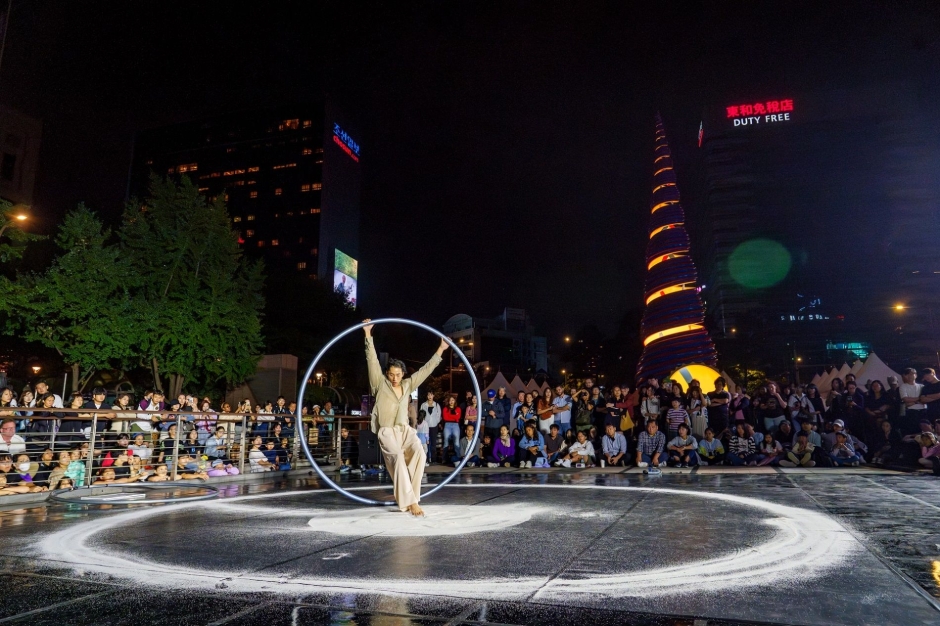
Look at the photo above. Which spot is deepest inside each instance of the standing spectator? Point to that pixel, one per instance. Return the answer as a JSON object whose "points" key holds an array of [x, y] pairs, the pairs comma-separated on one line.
{"points": [[145, 423], [614, 446], [710, 450], [10, 442], [676, 416], [432, 417], [562, 403], [41, 389], [554, 444], [801, 454], [930, 394], [58, 471], [545, 411], [583, 411], [912, 409], [451, 417], [698, 412], [799, 406], [819, 406], [423, 431], [650, 406], [682, 448], [599, 410], [491, 423], [531, 446], [877, 408], [741, 447], [73, 427], [504, 449], [121, 422], [471, 413], [614, 405], [719, 402], [520, 400], [650, 446], [893, 393], [503, 405], [853, 409], [167, 445], [741, 407], [190, 445], [42, 423], [96, 404]]}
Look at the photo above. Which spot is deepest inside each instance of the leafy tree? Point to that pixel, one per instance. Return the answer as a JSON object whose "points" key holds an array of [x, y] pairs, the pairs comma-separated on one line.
{"points": [[80, 306], [198, 301]]}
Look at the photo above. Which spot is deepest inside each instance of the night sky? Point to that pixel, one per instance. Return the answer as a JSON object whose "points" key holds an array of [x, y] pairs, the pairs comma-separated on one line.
{"points": [[507, 147]]}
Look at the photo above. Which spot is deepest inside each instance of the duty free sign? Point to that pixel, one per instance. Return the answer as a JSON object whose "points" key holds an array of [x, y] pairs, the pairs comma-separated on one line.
{"points": [[769, 112]]}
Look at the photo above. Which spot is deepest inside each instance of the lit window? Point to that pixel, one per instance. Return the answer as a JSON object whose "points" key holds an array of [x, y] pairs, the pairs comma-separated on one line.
{"points": [[253, 194], [237, 218], [313, 277], [251, 218], [278, 191], [319, 150], [290, 214], [305, 187], [216, 174], [201, 189], [249, 233], [150, 162], [302, 265], [303, 211], [171, 170], [319, 161], [287, 253], [317, 186], [239, 183], [289, 125], [314, 251], [229, 150], [314, 211], [275, 242], [301, 240], [307, 152], [261, 243], [284, 166], [187, 167], [307, 123], [233, 172], [204, 176], [253, 169], [277, 215], [225, 197]]}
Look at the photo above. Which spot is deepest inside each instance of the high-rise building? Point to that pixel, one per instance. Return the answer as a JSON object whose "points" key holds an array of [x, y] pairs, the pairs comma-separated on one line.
{"points": [[508, 341], [290, 177], [673, 327], [20, 136], [818, 216]]}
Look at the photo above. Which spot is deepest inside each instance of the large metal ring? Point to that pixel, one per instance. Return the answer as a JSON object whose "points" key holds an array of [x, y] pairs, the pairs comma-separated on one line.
{"points": [[309, 373]]}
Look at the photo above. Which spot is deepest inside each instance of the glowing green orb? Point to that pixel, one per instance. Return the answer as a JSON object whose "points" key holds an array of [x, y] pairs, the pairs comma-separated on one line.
{"points": [[759, 263]]}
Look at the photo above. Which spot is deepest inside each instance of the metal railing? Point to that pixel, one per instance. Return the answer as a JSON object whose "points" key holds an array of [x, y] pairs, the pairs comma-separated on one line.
{"points": [[64, 429]]}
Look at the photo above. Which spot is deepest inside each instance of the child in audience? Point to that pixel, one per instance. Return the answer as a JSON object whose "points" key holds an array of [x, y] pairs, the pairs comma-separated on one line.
{"points": [[710, 450]]}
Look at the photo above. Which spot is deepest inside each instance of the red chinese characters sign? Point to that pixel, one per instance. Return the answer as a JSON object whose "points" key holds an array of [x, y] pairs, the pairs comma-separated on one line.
{"points": [[759, 108]]}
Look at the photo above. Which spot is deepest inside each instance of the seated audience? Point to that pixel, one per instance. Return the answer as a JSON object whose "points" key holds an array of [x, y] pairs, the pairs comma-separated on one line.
{"points": [[504, 449], [710, 450], [741, 448], [531, 446], [348, 451], [580, 453], [614, 446], [770, 452], [140, 447], [465, 441], [801, 454], [843, 452], [682, 448], [650, 446], [554, 444], [257, 459], [887, 446]]}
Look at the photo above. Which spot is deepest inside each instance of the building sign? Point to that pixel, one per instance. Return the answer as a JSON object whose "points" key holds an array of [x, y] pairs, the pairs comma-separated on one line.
{"points": [[345, 276], [346, 143], [768, 112]]}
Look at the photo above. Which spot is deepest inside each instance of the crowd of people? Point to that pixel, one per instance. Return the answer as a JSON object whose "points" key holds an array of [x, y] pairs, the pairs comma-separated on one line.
{"points": [[46, 445], [895, 424], [892, 424]]}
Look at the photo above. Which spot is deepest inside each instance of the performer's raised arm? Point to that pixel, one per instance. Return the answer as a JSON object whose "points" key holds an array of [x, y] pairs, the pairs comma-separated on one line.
{"points": [[372, 361], [421, 375]]}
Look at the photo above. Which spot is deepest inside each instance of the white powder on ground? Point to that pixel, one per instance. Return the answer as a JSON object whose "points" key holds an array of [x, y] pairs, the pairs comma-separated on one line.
{"points": [[805, 544], [438, 520]]}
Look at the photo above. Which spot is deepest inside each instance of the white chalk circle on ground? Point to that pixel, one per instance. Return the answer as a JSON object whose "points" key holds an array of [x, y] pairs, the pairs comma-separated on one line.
{"points": [[804, 545], [442, 519]]}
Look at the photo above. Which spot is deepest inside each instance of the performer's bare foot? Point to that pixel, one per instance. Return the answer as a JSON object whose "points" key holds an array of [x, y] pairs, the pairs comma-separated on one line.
{"points": [[416, 510]]}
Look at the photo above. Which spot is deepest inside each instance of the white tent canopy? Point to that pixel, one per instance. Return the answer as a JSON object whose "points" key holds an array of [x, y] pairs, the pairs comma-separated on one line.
{"points": [[532, 387], [498, 381], [516, 386], [875, 369], [857, 367]]}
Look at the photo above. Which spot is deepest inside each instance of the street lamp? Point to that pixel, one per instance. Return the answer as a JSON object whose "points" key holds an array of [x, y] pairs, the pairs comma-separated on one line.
{"points": [[899, 307], [36, 369], [320, 378], [20, 217]]}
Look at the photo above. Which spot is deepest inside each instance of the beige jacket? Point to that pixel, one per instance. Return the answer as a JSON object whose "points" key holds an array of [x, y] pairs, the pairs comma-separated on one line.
{"points": [[390, 410]]}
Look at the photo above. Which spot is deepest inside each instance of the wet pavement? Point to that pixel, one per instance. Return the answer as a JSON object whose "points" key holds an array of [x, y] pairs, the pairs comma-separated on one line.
{"points": [[520, 547]]}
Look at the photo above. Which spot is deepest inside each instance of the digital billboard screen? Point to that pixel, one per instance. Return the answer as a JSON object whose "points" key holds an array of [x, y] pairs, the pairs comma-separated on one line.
{"points": [[345, 275]]}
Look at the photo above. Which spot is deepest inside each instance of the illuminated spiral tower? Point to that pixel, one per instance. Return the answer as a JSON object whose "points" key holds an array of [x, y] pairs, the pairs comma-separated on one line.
{"points": [[673, 327]]}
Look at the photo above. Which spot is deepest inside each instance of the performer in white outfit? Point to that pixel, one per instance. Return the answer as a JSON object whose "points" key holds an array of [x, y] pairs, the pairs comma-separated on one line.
{"points": [[404, 453]]}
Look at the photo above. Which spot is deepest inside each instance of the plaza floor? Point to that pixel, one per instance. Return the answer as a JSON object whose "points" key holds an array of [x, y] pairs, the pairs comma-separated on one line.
{"points": [[710, 546]]}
